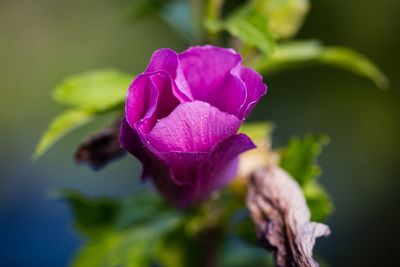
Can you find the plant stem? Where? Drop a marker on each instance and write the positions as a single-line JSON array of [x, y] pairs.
[[213, 10], [210, 241], [198, 18]]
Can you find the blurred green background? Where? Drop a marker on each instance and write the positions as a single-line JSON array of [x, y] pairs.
[[43, 41]]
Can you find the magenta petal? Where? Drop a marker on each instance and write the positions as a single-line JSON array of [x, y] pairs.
[[150, 98], [141, 95], [167, 60], [183, 166], [229, 96], [209, 74], [218, 164], [255, 88], [194, 176], [164, 59], [192, 127], [206, 66], [131, 142]]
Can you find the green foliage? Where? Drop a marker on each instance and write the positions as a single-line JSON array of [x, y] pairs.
[[121, 232], [61, 125], [91, 215], [134, 246], [318, 201], [260, 23], [143, 230], [298, 158], [250, 27], [302, 53], [285, 17], [179, 248], [97, 91], [171, 250], [352, 61], [90, 94]]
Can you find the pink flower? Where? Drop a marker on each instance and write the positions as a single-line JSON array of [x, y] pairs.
[[182, 116]]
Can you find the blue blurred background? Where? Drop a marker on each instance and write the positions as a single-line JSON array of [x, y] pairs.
[[43, 41]]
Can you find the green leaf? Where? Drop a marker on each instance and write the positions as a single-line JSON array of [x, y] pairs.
[[140, 208], [91, 215], [298, 158], [352, 61], [301, 53], [260, 23], [285, 17], [97, 91], [120, 232], [131, 247], [250, 27], [318, 201], [176, 249], [61, 125]]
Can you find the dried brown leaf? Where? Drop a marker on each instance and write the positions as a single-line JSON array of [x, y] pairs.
[[282, 218], [101, 148]]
